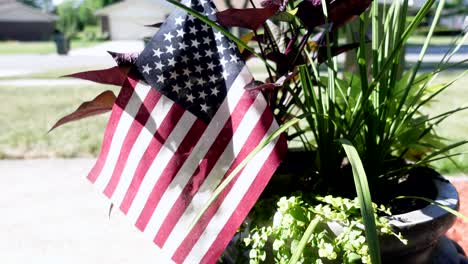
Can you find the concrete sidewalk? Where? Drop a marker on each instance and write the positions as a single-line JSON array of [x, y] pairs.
[[50, 214]]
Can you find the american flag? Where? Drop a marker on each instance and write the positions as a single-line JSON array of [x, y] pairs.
[[181, 123]]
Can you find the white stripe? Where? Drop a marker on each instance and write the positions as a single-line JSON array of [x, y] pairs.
[[141, 144], [239, 138], [157, 166], [125, 121], [174, 190], [230, 203]]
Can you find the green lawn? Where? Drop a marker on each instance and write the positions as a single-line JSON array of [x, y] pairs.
[[26, 114], [37, 47]]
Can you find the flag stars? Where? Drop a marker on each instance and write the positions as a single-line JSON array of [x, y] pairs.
[[195, 43], [171, 62], [221, 48], [213, 79], [186, 72], [223, 61], [190, 98], [168, 36], [191, 18], [198, 69], [205, 27], [202, 95], [201, 81], [214, 91], [188, 84], [234, 58], [170, 49], [158, 65], [174, 75], [180, 33], [207, 40], [232, 45], [157, 53], [193, 30], [196, 56], [210, 66], [218, 36], [183, 46], [204, 107], [184, 58], [146, 69], [161, 78], [179, 21], [225, 74], [209, 53], [176, 88]]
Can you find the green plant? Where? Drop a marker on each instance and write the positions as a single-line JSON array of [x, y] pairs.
[[282, 232]]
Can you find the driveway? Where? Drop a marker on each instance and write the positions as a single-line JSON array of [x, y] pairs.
[[51, 214]]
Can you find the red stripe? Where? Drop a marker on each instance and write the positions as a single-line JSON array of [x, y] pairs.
[[158, 140], [246, 204], [204, 168], [117, 110], [171, 169], [138, 123], [254, 139]]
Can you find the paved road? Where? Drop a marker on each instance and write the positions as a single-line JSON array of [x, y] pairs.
[[50, 214]]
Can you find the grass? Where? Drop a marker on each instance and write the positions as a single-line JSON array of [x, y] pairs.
[[37, 47], [27, 113], [454, 128]]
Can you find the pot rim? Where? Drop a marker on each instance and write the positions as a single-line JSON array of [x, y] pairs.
[[447, 195]]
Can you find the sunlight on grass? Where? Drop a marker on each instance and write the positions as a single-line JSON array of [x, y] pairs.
[[455, 127], [26, 115]]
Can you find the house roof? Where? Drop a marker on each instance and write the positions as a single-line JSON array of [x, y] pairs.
[[13, 11]]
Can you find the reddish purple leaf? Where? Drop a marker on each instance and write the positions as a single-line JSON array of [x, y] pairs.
[[278, 4], [251, 18], [101, 104], [335, 51], [155, 25], [124, 59], [256, 85], [114, 76]]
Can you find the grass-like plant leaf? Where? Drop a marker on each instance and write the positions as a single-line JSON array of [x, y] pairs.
[[305, 238], [365, 201]]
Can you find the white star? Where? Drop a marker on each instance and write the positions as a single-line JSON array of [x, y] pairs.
[[168, 36], [223, 61], [159, 65], [218, 36], [207, 40], [201, 81], [214, 91], [198, 68], [190, 97], [170, 49], [174, 75], [193, 30], [146, 69], [221, 48], [203, 2], [184, 58], [204, 108], [188, 84], [171, 62], [183, 46], [205, 27], [180, 32], [176, 88], [202, 95], [157, 52], [186, 71], [211, 65], [225, 74], [161, 78], [195, 43], [190, 18], [232, 45], [179, 21], [196, 56], [209, 53], [234, 58], [213, 78]]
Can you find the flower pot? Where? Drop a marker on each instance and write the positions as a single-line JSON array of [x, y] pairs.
[[422, 228]]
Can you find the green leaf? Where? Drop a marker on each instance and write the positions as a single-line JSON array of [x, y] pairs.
[[365, 201]]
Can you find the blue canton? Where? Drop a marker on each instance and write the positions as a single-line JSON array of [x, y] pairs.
[[191, 63]]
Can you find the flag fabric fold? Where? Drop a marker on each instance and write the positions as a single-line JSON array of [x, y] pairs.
[[177, 131]]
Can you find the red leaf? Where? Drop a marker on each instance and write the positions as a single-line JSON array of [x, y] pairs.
[[124, 59], [114, 76], [155, 25], [251, 18], [101, 104], [322, 51], [256, 85]]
